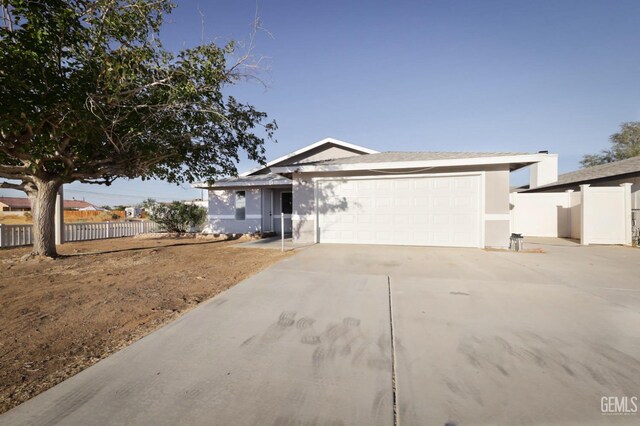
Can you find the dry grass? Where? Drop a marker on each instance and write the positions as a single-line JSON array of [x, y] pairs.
[[60, 316], [70, 216]]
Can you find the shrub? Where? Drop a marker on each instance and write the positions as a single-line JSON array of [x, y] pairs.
[[175, 217]]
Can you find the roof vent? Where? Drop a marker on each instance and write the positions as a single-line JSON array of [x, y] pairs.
[[543, 152]]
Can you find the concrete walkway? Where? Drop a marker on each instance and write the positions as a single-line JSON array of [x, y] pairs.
[[275, 243], [468, 337]]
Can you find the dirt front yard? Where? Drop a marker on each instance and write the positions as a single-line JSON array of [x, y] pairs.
[[57, 317]]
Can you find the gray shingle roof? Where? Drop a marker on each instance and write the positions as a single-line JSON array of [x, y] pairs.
[[617, 168], [393, 156]]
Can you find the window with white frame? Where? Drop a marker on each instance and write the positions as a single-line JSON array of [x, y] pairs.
[[240, 205]]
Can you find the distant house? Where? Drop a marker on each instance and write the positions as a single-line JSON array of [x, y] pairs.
[[200, 203], [609, 174], [21, 204], [131, 212], [14, 204], [79, 205]]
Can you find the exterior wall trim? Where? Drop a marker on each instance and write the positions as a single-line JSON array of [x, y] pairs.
[[233, 217], [474, 161]]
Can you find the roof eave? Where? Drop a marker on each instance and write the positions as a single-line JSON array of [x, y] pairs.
[[247, 184], [519, 160], [566, 185]]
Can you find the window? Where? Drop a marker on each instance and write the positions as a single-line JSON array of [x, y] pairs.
[[287, 202], [240, 205]]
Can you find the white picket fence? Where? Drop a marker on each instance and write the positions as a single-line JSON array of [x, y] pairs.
[[22, 235]]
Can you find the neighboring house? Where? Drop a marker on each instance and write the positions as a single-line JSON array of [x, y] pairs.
[[132, 212], [337, 192], [23, 204], [79, 205], [610, 174], [14, 204]]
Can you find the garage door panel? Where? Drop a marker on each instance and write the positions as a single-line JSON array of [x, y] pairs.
[[462, 184], [440, 211], [383, 184], [442, 184], [403, 220], [402, 203], [383, 201], [383, 236], [382, 219], [346, 218], [441, 202], [364, 219]]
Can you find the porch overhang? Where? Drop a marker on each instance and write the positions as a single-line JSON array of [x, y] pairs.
[[269, 180]]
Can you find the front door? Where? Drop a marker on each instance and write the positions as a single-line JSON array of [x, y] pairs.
[[267, 210], [286, 209]]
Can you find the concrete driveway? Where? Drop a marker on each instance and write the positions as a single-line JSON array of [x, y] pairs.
[[372, 335]]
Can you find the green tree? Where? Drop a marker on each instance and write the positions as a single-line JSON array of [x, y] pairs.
[[176, 216], [88, 93], [625, 144]]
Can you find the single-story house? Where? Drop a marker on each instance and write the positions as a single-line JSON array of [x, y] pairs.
[[610, 174], [80, 205], [336, 192], [13, 204]]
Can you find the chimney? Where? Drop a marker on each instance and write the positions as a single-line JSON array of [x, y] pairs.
[[545, 171]]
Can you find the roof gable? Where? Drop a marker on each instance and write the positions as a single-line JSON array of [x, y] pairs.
[[326, 149]]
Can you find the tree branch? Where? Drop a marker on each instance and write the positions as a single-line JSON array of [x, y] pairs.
[[6, 17], [17, 187], [13, 170]]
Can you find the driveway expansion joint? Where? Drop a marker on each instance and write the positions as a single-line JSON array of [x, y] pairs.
[[394, 384]]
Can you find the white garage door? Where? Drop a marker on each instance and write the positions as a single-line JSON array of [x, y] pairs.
[[429, 211]]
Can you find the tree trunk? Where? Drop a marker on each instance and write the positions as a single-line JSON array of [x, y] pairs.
[[43, 208]]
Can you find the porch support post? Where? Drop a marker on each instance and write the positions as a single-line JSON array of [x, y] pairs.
[[282, 228]]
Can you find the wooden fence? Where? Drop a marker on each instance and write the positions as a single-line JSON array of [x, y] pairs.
[[22, 235]]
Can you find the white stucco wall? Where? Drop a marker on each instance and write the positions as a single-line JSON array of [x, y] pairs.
[[541, 214], [606, 215], [575, 203], [544, 172], [594, 215], [635, 189]]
